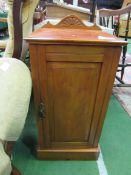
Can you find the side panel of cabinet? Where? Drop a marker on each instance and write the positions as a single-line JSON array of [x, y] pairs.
[[108, 72], [36, 88], [39, 77]]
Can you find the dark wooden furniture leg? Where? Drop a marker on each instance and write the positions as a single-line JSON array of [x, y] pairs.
[[93, 11], [17, 21], [8, 148]]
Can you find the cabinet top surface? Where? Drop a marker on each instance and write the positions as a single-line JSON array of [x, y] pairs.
[[73, 31]]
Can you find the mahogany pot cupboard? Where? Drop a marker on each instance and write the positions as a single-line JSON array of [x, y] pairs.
[[73, 69]]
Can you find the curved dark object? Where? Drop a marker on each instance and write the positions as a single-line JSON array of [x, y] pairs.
[[17, 22]]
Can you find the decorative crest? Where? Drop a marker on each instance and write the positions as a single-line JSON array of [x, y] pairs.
[[72, 22]]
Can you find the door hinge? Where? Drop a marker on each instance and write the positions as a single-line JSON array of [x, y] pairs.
[[42, 110]]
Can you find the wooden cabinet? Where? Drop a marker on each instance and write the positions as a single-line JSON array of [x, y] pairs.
[[73, 69], [59, 11]]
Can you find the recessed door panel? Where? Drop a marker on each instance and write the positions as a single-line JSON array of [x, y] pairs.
[[72, 91]]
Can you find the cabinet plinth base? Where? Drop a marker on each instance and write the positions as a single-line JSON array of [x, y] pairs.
[[68, 154]]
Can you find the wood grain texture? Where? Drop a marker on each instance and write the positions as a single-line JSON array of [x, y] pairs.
[[70, 92], [74, 36], [72, 30], [36, 89], [69, 154], [75, 83]]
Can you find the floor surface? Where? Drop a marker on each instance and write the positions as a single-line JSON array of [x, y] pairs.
[[115, 145]]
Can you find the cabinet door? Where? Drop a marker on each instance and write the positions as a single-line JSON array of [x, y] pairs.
[[72, 89]]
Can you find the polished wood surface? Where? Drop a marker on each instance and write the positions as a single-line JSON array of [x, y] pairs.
[[72, 80], [75, 35], [77, 32], [74, 93], [17, 23]]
